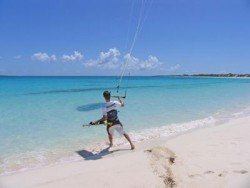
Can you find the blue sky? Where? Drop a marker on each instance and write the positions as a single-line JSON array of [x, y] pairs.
[[49, 37]]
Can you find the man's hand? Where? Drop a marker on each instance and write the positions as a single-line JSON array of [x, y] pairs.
[[121, 101]]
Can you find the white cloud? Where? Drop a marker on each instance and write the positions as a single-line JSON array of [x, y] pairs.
[[53, 57], [43, 57], [109, 59], [151, 63], [134, 63], [17, 57], [175, 67], [76, 56]]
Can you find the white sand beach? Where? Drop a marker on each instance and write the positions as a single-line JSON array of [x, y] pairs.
[[216, 156]]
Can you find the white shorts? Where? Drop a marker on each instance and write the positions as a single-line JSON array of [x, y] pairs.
[[116, 127]]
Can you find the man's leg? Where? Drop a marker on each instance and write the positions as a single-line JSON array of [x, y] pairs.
[[127, 137], [110, 140], [110, 137]]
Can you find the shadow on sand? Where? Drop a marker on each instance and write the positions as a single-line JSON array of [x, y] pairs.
[[87, 155]]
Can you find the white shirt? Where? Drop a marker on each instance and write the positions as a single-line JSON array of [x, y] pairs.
[[111, 105]]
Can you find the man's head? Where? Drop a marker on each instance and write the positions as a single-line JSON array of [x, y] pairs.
[[106, 95]]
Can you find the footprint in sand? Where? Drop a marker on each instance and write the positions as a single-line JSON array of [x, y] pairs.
[[209, 172], [198, 175], [222, 174], [194, 175], [241, 171]]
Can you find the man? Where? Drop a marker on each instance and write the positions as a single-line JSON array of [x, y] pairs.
[[110, 115]]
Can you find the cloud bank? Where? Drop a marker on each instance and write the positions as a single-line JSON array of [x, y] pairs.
[[107, 60], [152, 62], [43, 57], [110, 59], [75, 57]]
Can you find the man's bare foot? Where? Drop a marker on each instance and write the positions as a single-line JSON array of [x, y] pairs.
[[132, 147], [110, 145]]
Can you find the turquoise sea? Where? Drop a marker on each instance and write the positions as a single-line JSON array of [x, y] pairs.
[[41, 117]]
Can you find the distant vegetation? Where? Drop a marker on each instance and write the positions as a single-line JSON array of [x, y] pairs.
[[228, 75], [219, 75]]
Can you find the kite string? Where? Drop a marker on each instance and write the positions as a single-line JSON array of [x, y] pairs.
[[137, 28], [146, 13], [129, 26], [127, 39], [139, 22]]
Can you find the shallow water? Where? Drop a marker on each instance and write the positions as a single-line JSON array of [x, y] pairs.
[[41, 117]]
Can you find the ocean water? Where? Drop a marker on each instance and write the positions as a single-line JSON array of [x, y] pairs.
[[41, 117]]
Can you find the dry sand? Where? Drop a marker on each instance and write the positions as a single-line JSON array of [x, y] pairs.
[[211, 157]]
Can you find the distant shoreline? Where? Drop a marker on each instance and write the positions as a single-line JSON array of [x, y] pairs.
[[229, 75]]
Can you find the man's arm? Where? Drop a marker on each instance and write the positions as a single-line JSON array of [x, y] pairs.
[[121, 101], [104, 118]]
